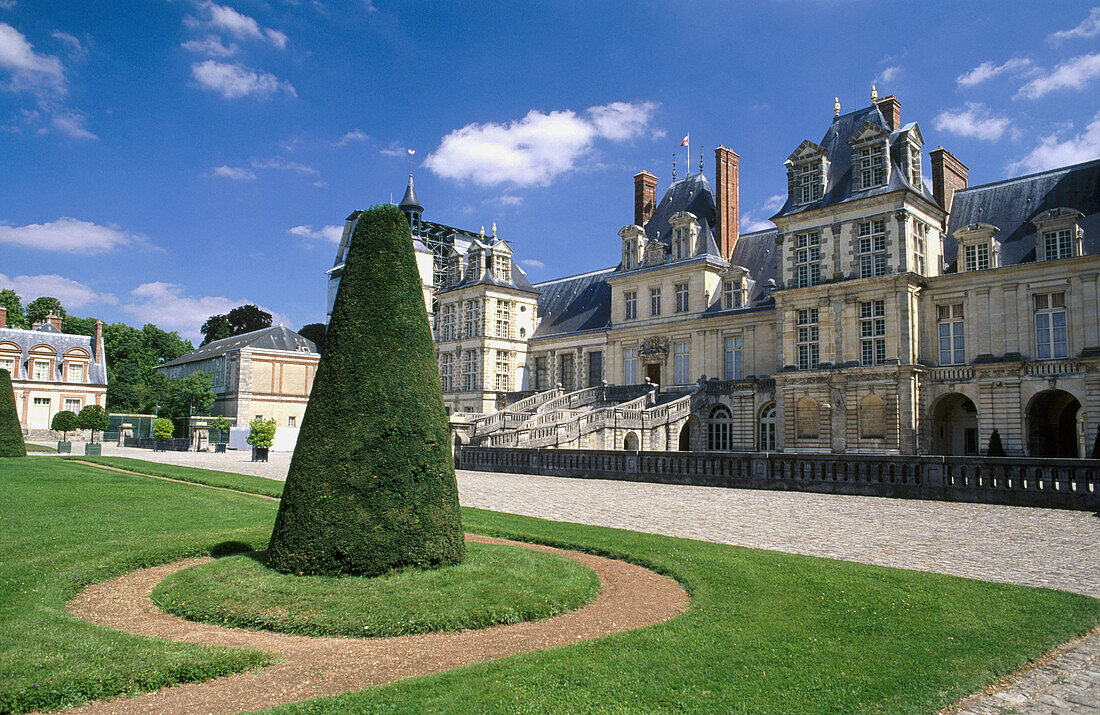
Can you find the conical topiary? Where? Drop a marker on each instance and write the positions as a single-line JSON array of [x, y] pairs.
[[11, 434], [1096, 445], [371, 485], [996, 449]]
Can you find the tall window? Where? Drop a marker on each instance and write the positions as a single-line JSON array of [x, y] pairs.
[[9, 365], [872, 248], [733, 358], [630, 366], [473, 266], [654, 301], [920, 242], [872, 170], [472, 329], [950, 327], [566, 372], [914, 166], [809, 182], [72, 404], [681, 297], [469, 370], [808, 259], [502, 268], [595, 368], [447, 323], [682, 243], [503, 371], [630, 305], [872, 332], [454, 271], [731, 294], [683, 363], [445, 370], [1058, 244], [976, 257], [540, 374], [75, 372], [720, 429], [765, 436], [1050, 326], [808, 350], [41, 370], [504, 319]]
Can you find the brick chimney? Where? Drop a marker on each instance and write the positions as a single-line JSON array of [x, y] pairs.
[[645, 197], [100, 356], [948, 176], [728, 196], [891, 111], [3, 317], [54, 319]]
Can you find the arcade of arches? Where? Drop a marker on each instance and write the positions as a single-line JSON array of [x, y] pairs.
[[1052, 422]]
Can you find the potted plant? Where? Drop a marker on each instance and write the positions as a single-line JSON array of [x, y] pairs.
[[222, 425], [64, 422], [261, 435], [162, 431], [94, 418]]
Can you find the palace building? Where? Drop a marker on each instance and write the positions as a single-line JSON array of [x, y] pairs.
[[893, 309]]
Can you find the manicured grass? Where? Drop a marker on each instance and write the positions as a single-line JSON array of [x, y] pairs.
[[494, 585], [766, 632], [228, 480], [45, 449]]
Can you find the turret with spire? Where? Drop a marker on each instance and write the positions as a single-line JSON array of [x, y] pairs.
[[410, 205]]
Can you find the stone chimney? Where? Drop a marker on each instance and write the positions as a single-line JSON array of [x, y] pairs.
[[54, 319], [3, 317], [948, 176], [100, 356], [891, 111], [728, 197], [645, 197]]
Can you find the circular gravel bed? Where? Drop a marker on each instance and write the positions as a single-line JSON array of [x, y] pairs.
[[496, 584]]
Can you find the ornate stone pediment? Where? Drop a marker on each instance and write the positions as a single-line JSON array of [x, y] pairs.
[[655, 347]]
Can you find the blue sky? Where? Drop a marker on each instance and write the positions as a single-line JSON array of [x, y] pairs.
[[167, 160]]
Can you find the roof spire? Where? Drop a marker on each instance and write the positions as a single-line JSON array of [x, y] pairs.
[[700, 161], [874, 94], [410, 202], [674, 168], [836, 106]]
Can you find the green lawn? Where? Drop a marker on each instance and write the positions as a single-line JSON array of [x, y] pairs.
[[766, 632], [228, 480], [31, 447]]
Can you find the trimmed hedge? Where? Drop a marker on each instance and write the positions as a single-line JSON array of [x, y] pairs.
[[371, 486], [11, 434]]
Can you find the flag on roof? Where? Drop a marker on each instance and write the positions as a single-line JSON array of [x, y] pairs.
[[685, 141]]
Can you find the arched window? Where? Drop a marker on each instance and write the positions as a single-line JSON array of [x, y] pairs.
[[766, 435], [719, 429], [872, 417], [808, 418], [630, 443]]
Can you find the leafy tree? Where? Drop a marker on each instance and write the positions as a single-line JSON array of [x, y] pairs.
[[78, 326], [996, 449], [39, 308], [216, 327], [316, 333], [163, 428], [261, 433], [65, 422], [132, 385], [94, 418], [222, 425], [11, 301], [371, 485], [186, 396], [246, 318], [11, 434]]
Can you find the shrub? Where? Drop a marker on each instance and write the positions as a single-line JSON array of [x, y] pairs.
[[261, 433], [163, 428], [11, 434], [371, 485], [94, 418], [996, 449], [65, 422], [222, 425], [1096, 445]]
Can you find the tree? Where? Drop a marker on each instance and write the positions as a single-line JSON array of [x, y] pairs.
[[246, 318], [316, 333], [65, 422], [94, 418], [186, 396], [163, 428], [132, 385], [11, 301], [216, 327], [261, 433], [371, 485], [996, 449], [78, 326], [39, 308], [11, 434], [222, 426]]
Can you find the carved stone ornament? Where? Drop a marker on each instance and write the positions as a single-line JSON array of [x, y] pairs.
[[654, 347]]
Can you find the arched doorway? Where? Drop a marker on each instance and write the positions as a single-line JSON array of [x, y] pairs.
[[955, 425], [630, 442], [1052, 429], [720, 429], [685, 437], [765, 436]]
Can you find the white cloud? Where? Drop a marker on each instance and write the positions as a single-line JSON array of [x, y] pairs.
[[233, 81], [509, 200], [355, 135], [243, 27], [7, 4], [988, 70], [233, 172], [1054, 151], [394, 149], [212, 46], [325, 233], [974, 121], [889, 74], [775, 202], [368, 3], [68, 235], [533, 263], [165, 305], [1089, 27], [29, 71], [73, 43], [536, 149], [284, 165], [71, 123], [1074, 73], [750, 223], [71, 293]]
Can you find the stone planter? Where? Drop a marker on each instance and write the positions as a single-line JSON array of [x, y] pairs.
[[93, 449], [219, 448], [160, 445], [64, 447], [259, 454]]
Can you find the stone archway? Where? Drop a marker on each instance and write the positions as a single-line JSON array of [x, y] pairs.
[[955, 425], [685, 437], [630, 442], [1052, 425]]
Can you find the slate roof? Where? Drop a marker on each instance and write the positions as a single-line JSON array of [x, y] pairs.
[[47, 334], [692, 194], [1011, 205], [409, 201], [519, 276], [273, 338], [758, 253], [838, 153], [574, 304]]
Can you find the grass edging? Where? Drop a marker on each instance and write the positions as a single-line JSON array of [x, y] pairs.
[[244, 483]]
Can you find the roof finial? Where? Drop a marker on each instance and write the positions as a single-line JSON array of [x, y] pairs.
[[874, 93], [483, 232], [700, 160], [836, 106], [494, 229], [674, 168]]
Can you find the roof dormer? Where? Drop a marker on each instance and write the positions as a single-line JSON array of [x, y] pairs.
[[634, 242], [870, 157], [684, 231], [807, 169], [977, 247], [1058, 234], [909, 144]]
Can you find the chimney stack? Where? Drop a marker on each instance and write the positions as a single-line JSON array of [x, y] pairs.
[[727, 188], [645, 197], [3, 317], [100, 356], [54, 319], [891, 111], [948, 176]]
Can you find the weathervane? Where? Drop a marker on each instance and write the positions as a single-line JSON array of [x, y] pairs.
[[411, 152]]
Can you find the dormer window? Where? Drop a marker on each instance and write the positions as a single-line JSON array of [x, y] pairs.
[[683, 235], [977, 249], [872, 166], [681, 244], [733, 293], [473, 265], [633, 245], [809, 182], [502, 268], [1058, 234], [914, 167], [806, 173], [976, 257], [454, 271]]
